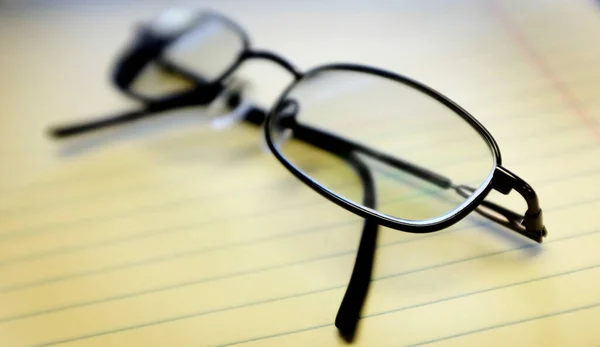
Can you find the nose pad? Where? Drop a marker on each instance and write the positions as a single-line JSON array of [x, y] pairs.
[[279, 141], [283, 130], [230, 106]]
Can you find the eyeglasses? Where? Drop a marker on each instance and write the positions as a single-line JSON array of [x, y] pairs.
[[163, 69], [429, 162]]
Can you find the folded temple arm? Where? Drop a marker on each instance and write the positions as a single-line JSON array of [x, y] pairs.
[[203, 95]]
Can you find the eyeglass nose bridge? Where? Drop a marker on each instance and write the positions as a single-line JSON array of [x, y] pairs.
[[266, 55]]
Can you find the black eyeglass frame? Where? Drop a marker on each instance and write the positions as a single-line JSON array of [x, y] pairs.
[[499, 178], [530, 224]]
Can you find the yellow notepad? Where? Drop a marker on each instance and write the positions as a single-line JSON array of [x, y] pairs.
[[169, 233]]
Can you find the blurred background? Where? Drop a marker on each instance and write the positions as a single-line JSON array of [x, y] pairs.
[[169, 232]]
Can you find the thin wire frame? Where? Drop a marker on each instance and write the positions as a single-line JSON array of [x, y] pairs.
[[415, 226], [500, 179]]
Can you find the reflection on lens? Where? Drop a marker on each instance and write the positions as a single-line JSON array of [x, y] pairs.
[[416, 147], [202, 45], [207, 49]]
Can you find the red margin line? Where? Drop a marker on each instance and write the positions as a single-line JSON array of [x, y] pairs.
[[536, 59]]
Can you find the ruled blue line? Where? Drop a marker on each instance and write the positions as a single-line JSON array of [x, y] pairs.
[[16, 287], [190, 228], [27, 232], [517, 322], [423, 304], [197, 314]]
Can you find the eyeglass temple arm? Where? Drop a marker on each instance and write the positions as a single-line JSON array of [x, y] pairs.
[[356, 292], [529, 225], [349, 312], [335, 144], [200, 96], [343, 147]]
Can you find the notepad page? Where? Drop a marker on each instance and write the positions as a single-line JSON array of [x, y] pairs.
[[170, 233]]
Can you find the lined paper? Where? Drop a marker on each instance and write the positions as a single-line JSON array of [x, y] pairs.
[[168, 232]]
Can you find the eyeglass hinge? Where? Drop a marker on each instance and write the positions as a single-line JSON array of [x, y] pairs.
[[502, 181]]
